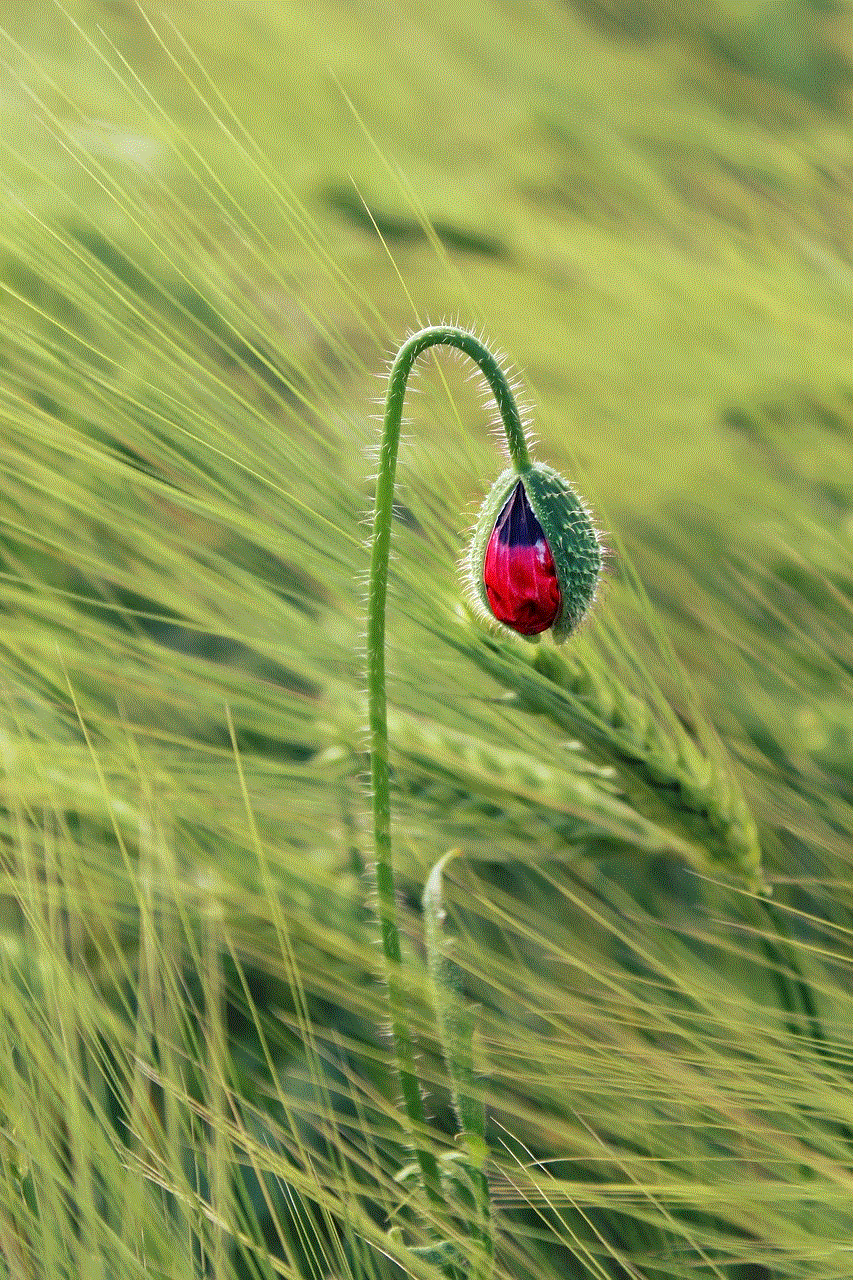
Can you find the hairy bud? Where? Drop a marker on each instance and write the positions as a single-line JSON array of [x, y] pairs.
[[536, 556]]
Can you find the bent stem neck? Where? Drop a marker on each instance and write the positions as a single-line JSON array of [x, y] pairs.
[[438, 335]]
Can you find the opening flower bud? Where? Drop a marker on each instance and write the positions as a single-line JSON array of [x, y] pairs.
[[536, 556], [518, 573]]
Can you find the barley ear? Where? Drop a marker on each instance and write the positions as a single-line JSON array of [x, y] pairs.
[[664, 772]]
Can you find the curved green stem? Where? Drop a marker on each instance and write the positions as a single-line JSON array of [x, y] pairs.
[[377, 699], [456, 1029]]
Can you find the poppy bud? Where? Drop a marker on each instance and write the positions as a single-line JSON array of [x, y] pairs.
[[536, 556]]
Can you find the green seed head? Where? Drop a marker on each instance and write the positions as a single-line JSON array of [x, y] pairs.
[[511, 576]]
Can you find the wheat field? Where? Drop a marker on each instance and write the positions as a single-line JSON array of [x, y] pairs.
[[219, 224]]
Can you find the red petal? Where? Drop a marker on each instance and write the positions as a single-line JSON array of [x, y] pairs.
[[519, 573]]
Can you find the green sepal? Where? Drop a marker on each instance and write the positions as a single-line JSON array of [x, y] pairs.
[[569, 530], [493, 504]]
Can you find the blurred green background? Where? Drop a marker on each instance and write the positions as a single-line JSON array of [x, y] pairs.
[[219, 222], [647, 207]]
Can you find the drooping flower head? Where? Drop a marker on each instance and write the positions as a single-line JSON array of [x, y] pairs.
[[536, 556]]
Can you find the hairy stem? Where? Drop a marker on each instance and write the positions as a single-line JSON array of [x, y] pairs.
[[376, 691]]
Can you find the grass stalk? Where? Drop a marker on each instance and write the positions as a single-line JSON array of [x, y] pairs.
[[456, 1029]]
